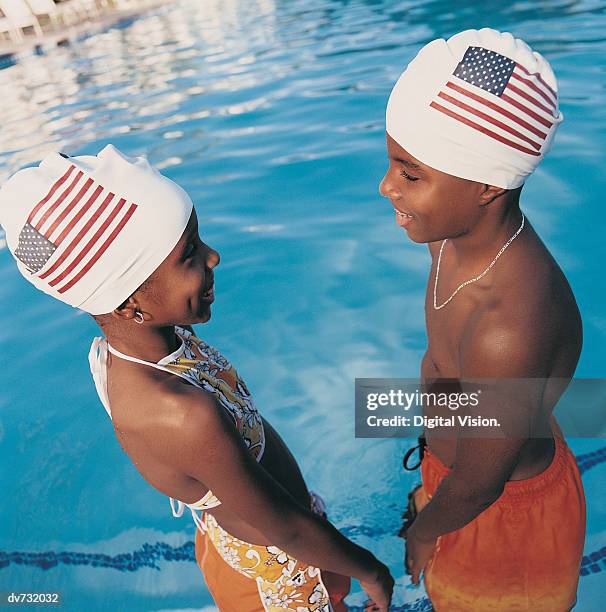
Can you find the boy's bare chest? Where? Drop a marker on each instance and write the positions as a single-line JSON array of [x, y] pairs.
[[448, 327]]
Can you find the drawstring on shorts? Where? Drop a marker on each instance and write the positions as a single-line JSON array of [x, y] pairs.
[[421, 446]]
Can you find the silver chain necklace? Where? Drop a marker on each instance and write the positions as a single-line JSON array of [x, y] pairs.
[[471, 280]]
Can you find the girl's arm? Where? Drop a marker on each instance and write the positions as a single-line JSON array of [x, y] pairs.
[[204, 444]]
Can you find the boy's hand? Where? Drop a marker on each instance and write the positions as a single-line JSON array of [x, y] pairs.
[[418, 554]]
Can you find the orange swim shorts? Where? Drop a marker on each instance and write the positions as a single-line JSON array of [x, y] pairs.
[[522, 553], [244, 577]]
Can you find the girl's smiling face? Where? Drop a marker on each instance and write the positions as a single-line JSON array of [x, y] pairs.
[[430, 205], [182, 287]]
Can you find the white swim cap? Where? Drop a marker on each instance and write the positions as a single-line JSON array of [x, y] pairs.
[[481, 106], [89, 230]]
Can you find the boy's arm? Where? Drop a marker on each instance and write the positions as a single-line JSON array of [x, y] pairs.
[[482, 466]]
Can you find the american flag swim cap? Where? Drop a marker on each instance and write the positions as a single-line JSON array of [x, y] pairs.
[[89, 230], [481, 106]]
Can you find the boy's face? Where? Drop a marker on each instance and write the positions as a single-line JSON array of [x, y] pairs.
[[440, 205]]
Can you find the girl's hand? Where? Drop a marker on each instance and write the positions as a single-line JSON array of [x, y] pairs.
[[379, 590], [418, 554]]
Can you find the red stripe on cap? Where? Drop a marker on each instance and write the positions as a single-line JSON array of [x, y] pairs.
[[50, 194], [101, 249], [58, 201], [89, 245], [490, 119], [482, 129], [68, 228], [496, 107], [529, 98], [539, 77], [526, 110], [68, 208], [534, 87], [74, 243]]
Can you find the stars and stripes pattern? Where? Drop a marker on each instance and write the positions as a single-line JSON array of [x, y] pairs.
[[74, 224], [500, 98]]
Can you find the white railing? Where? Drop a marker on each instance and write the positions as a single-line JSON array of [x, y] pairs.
[[21, 18]]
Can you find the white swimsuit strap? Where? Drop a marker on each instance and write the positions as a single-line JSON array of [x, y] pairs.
[[137, 360], [97, 359], [179, 512], [201, 524], [180, 507], [158, 366], [97, 363]]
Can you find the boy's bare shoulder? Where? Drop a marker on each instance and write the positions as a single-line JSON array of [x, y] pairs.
[[529, 316]]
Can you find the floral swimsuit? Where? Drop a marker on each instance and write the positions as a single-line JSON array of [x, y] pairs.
[[281, 582]]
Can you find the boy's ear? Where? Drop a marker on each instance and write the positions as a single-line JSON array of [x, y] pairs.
[[126, 310], [490, 193]]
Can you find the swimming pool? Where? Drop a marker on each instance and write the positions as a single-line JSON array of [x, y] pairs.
[[270, 114]]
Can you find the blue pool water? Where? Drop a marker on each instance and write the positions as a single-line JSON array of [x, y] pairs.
[[270, 114]]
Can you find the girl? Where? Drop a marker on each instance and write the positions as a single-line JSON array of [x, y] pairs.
[[112, 236]]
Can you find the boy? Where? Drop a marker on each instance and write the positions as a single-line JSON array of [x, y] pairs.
[[501, 522]]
